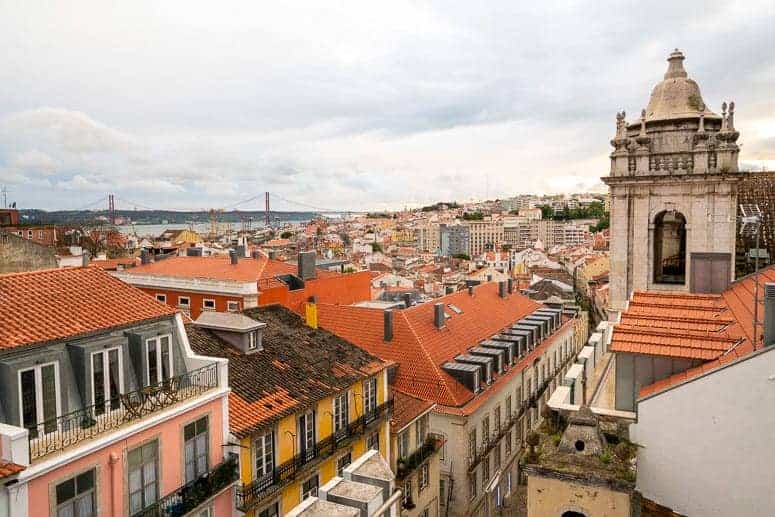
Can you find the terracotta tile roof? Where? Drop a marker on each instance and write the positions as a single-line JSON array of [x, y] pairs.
[[692, 325], [406, 408], [112, 264], [216, 268], [419, 347], [298, 366], [41, 306], [8, 469]]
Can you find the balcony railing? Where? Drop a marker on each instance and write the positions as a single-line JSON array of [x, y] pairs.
[[433, 443], [188, 497], [250, 494], [92, 421]]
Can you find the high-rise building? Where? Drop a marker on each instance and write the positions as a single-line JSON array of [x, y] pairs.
[[454, 239], [673, 184]]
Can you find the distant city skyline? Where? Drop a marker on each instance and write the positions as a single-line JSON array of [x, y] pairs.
[[351, 106]]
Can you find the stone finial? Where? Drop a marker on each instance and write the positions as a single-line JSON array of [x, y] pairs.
[[675, 68], [724, 125], [621, 125], [731, 116], [643, 122]]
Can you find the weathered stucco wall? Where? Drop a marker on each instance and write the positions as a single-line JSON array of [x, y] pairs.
[[547, 497], [19, 254]]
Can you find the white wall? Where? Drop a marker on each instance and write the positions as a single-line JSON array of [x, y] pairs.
[[709, 445]]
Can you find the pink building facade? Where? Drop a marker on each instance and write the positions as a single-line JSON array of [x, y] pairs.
[[115, 420]]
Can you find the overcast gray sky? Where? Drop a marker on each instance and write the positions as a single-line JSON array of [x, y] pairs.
[[185, 104]]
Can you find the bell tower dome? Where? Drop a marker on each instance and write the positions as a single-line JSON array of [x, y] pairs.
[[673, 182]]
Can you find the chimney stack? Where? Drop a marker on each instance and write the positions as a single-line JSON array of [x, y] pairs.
[[85, 258], [470, 290], [769, 314], [489, 278], [450, 289], [306, 265], [438, 315], [511, 285], [388, 319], [502, 289], [144, 257], [233, 256]]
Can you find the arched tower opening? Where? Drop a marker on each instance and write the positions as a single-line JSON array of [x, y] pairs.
[[670, 248]]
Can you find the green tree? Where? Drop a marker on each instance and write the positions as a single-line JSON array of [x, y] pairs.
[[375, 247], [286, 235]]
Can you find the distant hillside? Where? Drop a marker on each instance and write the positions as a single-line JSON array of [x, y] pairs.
[[155, 216]]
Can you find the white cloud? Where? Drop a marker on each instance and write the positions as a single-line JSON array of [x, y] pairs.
[[352, 104]]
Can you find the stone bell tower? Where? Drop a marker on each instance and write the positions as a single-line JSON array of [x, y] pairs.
[[673, 186]]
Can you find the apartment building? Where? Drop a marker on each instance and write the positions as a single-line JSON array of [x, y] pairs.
[[414, 455], [195, 284], [488, 358], [106, 409], [303, 403], [428, 237], [454, 239], [485, 235], [525, 233]]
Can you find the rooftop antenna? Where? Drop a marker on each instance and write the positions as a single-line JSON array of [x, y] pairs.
[[5, 196], [750, 225]]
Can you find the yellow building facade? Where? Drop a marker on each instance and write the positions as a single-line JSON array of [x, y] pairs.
[[293, 482]]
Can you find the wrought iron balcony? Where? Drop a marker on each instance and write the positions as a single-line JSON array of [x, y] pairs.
[[406, 466], [249, 495], [188, 497], [95, 420]]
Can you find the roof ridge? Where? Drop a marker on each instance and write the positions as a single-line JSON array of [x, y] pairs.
[[41, 271], [631, 329]]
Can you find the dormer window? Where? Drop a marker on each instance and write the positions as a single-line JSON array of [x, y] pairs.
[[239, 330], [39, 398], [158, 365], [232, 306]]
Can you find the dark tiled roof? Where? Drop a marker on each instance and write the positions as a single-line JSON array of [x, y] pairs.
[[298, 366]]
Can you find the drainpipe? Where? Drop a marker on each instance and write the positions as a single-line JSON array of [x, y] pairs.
[[112, 461], [387, 505]]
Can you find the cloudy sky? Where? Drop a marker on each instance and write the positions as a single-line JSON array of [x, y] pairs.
[[186, 104]]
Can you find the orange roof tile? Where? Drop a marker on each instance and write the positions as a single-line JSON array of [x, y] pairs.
[[41, 306], [692, 325], [419, 347], [216, 268], [405, 409], [8, 469]]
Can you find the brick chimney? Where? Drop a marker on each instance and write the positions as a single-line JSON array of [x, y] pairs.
[[438, 315], [388, 324]]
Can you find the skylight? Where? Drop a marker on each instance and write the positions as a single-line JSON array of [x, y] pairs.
[[455, 308]]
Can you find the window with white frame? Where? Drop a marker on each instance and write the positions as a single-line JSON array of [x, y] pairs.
[[252, 340], [184, 301], [307, 434], [208, 304], [424, 476], [421, 430], [29, 234], [407, 495], [310, 487], [158, 364], [196, 437], [442, 492], [75, 497], [403, 444], [485, 470], [107, 380], [232, 306], [373, 441], [370, 396], [341, 412], [39, 398], [273, 510], [264, 450], [161, 298], [41, 235], [143, 464], [472, 485]]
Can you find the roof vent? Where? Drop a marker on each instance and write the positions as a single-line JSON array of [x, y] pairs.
[[233, 256], [145, 258], [511, 285], [502, 289], [438, 315], [769, 314], [470, 290]]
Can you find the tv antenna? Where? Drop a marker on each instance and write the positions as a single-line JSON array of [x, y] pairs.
[[750, 226]]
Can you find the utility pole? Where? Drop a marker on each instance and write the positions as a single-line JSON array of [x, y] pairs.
[[266, 210], [5, 196]]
